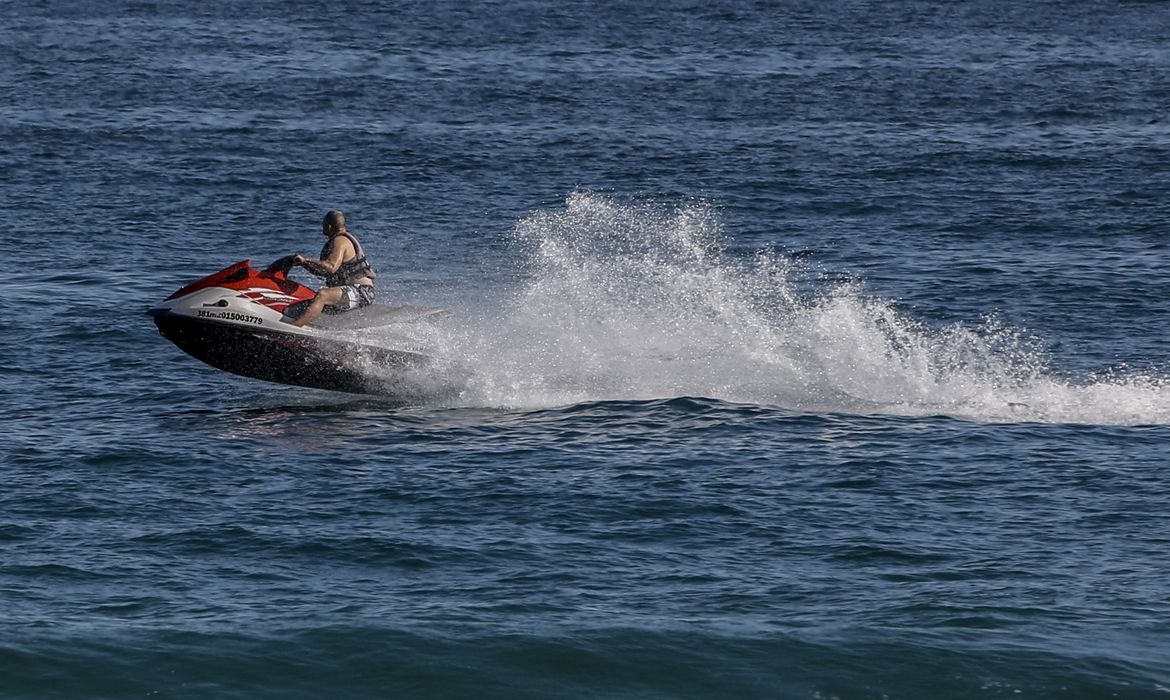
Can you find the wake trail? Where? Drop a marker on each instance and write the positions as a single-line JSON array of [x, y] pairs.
[[627, 301]]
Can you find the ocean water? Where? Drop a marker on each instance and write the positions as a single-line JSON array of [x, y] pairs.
[[797, 350]]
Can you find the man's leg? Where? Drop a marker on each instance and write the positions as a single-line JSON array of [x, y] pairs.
[[330, 296]]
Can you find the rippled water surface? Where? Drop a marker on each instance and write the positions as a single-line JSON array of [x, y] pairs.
[[794, 351]]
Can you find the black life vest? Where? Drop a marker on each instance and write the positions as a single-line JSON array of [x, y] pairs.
[[351, 270]]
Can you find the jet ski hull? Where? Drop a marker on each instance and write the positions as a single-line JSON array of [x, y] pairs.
[[272, 356]]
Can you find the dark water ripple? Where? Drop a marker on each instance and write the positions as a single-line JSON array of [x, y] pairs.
[[845, 540], [602, 663]]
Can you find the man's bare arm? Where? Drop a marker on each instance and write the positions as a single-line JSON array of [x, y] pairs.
[[341, 250]]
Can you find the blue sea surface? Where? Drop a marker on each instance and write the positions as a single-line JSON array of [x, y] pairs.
[[796, 350]]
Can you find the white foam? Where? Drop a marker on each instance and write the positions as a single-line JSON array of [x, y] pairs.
[[638, 301]]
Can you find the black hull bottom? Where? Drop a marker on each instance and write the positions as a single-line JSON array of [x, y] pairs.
[[284, 358]]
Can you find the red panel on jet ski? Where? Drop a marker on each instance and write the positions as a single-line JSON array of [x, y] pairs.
[[243, 276]]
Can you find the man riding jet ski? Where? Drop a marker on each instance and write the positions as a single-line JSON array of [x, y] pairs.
[[255, 322], [349, 277]]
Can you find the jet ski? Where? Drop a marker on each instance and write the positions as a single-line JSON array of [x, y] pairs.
[[240, 320]]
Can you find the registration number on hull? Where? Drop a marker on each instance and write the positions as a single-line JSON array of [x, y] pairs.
[[230, 316]]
